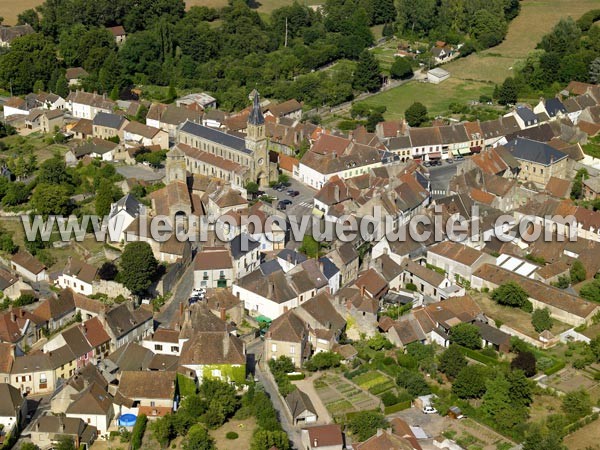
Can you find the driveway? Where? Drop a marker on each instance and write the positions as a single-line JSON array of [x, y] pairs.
[[308, 388], [141, 172]]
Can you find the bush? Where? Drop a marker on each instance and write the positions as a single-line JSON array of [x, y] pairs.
[[138, 432], [560, 365], [397, 407], [389, 398], [231, 435]]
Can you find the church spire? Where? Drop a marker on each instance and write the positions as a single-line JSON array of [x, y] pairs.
[[256, 116]]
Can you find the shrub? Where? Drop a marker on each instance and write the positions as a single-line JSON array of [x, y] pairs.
[[138, 431], [231, 435], [389, 398]]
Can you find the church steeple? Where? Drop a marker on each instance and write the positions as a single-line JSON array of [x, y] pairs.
[[255, 132], [256, 116]]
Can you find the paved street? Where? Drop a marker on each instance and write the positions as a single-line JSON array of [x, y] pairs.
[[302, 204], [255, 348], [181, 295], [440, 177]]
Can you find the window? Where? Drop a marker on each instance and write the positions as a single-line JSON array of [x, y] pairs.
[[216, 373], [292, 349], [153, 404], [175, 349], [273, 347], [158, 347]]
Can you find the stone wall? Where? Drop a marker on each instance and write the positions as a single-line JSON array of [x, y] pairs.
[[110, 288]]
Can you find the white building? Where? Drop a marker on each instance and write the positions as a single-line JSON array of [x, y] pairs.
[[437, 75], [29, 267], [79, 276]]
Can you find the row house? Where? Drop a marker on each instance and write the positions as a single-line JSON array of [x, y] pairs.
[[85, 105]]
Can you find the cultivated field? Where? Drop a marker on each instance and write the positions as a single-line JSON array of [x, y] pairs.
[[537, 17], [9, 9]]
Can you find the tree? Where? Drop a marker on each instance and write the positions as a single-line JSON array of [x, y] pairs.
[[367, 76], [310, 246], [416, 114], [108, 271], [577, 272], [470, 381], [577, 404], [413, 382], [65, 443], [62, 86], [138, 267], [521, 389], [563, 39], [595, 71], [467, 335], [198, 439], [138, 431], [54, 171], [511, 294], [550, 439], [323, 360], [497, 404], [265, 440], [7, 244], [508, 92], [49, 199], [401, 69], [365, 424], [104, 198], [452, 361], [541, 320], [163, 430], [487, 28], [29, 446]]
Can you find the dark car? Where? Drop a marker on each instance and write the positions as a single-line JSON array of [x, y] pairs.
[[436, 162], [281, 206], [427, 164], [449, 161], [279, 187], [293, 193], [286, 201]]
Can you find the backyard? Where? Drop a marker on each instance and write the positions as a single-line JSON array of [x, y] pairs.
[[340, 396]]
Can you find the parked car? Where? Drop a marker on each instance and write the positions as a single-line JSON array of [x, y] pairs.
[[279, 187], [287, 201], [450, 161], [459, 157], [436, 162], [429, 410], [293, 193], [426, 164], [281, 206]]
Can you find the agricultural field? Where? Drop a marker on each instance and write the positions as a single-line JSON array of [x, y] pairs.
[[340, 396], [9, 9], [374, 382], [537, 17]]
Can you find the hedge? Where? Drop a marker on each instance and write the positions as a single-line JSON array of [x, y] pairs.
[[296, 376], [555, 368], [488, 361], [397, 407], [138, 432]]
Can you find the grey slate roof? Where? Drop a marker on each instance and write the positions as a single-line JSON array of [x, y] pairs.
[[329, 268], [11, 400], [269, 267], [107, 120], [534, 151], [298, 402], [236, 245], [217, 136], [554, 106], [256, 116], [130, 204], [291, 256], [526, 114]]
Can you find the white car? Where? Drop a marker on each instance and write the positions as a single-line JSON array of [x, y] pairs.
[[198, 292], [429, 410]]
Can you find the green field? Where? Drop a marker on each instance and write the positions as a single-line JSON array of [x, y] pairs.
[[437, 98]]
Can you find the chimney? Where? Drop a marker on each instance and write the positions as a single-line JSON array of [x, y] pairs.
[[271, 290], [181, 310], [379, 431], [13, 316], [84, 329], [223, 313], [225, 342], [336, 193], [362, 290]]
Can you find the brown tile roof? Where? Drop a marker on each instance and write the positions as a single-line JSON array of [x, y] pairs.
[[422, 137], [321, 308], [473, 130], [298, 402], [221, 298], [7, 356], [213, 348], [591, 129], [275, 286], [385, 441], [140, 129], [287, 328], [372, 282], [56, 307], [288, 162], [166, 335], [481, 196], [92, 400], [94, 332], [578, 88], [210, 159], [284, 108], [457, 252], [430, 276], [539, 291], [199, 318], [558, 187], [401, 428], [83, 126], [328, 144], [88, 304], [325, 435], [213, 258], [147, 384], [81, 270], [29, 262], [117, 31], [12, 322], [75, 73]]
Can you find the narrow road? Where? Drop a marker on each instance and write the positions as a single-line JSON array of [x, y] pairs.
[[170, 311], [255, 348]]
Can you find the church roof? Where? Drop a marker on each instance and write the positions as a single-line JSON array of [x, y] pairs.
[[211, 134], [256, 116]]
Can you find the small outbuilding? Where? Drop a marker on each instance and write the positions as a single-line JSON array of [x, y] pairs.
[[437, 75]]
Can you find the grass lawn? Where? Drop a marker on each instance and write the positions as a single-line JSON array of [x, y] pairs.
[[584, 438], [244, 429], [537, 17], [513, 317], [543, 406], [436, 98]]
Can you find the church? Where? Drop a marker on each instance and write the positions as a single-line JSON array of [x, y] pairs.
[[214, 153]]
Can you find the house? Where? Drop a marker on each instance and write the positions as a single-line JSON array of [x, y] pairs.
[[130, 357], [32, 374], [75, 75], [136, 133], [563, 306], [83, 129], [385, 440], [147, 392], [428, 282], [346, 259], [122, 214], [78, 276], [13, 409], [109, 125], [93, 406], [57, 311], [553, 107], [163, 342], [441, 53], [402, 429], [456, 259], [17, 106], [48, 430], [245, 253], [560, 188], [170, 117], [201, 99], [213, 267], [21, 327], [215, 355], [437, 75], [301, 408], [591, 188], [28, 267], [537, 161], [288, 336], [319, 313], [225, 305], [493, 337], [118, 33], [125, 324], [92, 148], [323, 437], [291, 109], [525, 117], [359, 309], [372, 284], [44, 120], [85, 105], [11, 285], [7, 357], [9, 34]]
